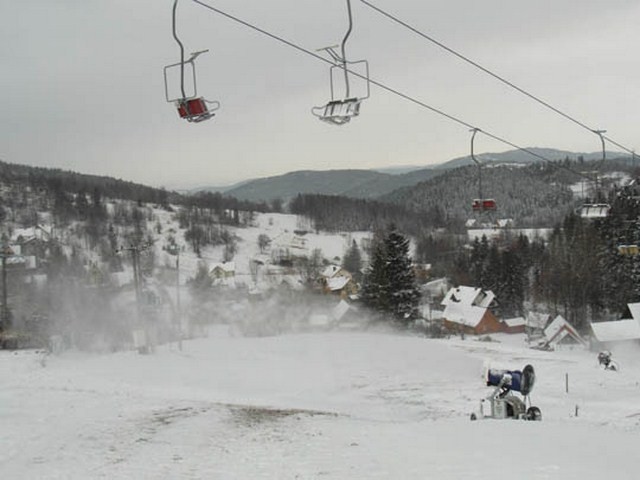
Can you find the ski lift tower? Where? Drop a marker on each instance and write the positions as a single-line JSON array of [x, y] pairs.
[[340, 110]]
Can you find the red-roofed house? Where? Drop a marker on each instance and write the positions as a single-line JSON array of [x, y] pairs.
[[467, 309]]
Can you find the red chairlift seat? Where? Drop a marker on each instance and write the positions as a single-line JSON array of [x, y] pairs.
[[484, 205], [194, 109]]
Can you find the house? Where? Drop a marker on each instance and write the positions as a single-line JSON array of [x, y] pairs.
[[467, 310], [514, 325], [561, 333], [338, 281], [625, 330], [223, 270], [536, 323]]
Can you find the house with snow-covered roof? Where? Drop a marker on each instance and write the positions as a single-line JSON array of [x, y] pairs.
[[560, 333], [536, 322], [514, 325], [625, 330], [336, 280], [467, 309]]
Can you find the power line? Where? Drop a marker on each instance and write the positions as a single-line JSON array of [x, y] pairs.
[[385, 87], [492, 74]]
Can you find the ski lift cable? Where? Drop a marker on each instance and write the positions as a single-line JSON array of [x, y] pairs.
[[489, 72], [386, 87]]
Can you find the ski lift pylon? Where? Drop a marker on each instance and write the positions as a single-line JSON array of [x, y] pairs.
[[190, 107], [339, 111]]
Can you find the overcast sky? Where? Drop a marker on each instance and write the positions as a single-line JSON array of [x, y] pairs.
[[82, 84]]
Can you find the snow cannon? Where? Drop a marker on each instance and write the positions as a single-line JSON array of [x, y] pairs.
[[503, 401], [604, 358]]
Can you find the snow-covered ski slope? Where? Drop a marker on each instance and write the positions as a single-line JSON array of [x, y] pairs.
[[341, 405]]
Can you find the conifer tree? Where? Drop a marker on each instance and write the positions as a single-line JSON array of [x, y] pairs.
[[352, 261], [390, 285]]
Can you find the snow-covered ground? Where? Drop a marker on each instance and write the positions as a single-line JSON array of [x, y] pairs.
[[335, 405]]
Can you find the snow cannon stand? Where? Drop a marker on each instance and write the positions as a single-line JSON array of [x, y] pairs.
[[503, 403]]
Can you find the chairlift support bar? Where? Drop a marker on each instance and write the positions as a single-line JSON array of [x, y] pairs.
[[175, 35], [344, 53], [473, 157], [601, 163]]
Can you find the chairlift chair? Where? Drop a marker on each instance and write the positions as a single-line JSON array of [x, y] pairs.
[[597, 209], [481, 204], [594, 210], [190, 107], [339, 111], [629, 250]]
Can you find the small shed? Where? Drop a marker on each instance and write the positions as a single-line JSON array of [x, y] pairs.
[[514, 325]]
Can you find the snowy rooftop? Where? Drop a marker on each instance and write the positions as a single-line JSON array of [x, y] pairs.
[[466, 305], [559, 328], [337, 283], [616, 331], [515, 322]]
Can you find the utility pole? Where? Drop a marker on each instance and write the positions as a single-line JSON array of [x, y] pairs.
[[179, 320], [137, 281], [5, 252]]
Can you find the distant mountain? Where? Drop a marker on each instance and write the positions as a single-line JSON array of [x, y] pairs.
[[349, 183], [376, 183], [398, 170], [522, 157]]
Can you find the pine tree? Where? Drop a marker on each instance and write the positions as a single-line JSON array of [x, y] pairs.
[[352, 261], [390, 285]]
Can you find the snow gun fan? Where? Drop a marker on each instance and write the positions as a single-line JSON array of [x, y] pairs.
[[503, 401], [190, 106]]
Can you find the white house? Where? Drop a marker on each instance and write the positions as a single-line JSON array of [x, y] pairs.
[[627, 329]]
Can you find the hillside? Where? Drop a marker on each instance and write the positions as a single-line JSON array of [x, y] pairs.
[[350, 183], [533, 196], [376, 183], [522, 157]]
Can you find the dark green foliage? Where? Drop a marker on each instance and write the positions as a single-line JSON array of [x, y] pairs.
[[352, 261], [390, 286]]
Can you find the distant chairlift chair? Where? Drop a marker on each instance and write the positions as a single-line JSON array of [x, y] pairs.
[[481, 204], [597, 209]]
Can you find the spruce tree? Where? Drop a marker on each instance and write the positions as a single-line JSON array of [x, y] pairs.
[[352, 261], [390, 284]]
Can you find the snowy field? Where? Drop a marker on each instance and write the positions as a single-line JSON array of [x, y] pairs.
[[339, 405]]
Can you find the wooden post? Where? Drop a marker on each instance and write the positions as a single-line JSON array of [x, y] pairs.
[[566, 383]]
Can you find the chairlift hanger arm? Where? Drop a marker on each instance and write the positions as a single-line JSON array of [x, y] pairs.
[[344, 52], [175, 35]]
